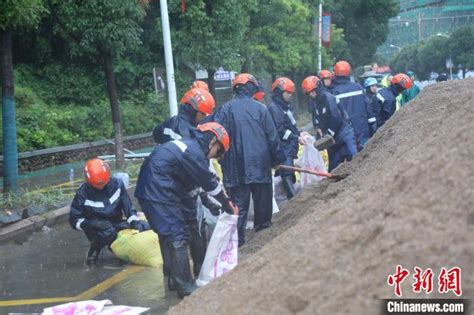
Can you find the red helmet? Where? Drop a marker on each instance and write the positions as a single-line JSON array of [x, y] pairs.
[[219, 131], [97, 173], [342, 69], [402, 80], [199, 99], [198, 84], [323, 74], [243, 78], [284, 84], [309, 84], [259, 96]]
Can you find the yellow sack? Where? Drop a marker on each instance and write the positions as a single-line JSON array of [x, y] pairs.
[[138, 248]]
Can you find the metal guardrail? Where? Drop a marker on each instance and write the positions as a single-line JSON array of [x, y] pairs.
[[75, 147]]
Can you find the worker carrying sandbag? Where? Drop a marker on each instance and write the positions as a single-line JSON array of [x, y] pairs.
[[166, 178], [330, 118], [99, 208], [196, 104]]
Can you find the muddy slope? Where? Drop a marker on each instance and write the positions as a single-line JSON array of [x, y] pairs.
[[409, 200]]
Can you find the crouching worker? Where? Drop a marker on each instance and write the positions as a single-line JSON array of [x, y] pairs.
[[330, 118], [99, 208], [167, 177]]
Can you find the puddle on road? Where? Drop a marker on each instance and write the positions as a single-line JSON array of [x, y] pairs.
[[50, 264]]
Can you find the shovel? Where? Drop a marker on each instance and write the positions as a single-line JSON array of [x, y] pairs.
[[304, 170]]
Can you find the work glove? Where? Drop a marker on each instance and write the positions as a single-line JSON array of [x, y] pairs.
[[139, 225], [101, 225], [227, 205], [213, 207]]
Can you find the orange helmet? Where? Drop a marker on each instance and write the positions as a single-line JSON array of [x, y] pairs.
[[259, 96], [309, 84], [97, 173], [243, 78], [199, 99], [221, 134], [198, 84], [323, 74], [402, 80], [342, 68], [284, 84]]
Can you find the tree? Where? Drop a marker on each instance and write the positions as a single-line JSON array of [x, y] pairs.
[[433, 55], [102, 30], [208, 34], [14, 14], [461, 45], [365, 24], [407, 59]]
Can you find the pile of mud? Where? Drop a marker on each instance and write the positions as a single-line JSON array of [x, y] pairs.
[[408, 200]]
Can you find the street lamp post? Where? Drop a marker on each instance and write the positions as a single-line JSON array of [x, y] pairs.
[[449, 62], [394, 46]]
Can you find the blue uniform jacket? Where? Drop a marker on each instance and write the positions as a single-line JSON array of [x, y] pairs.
[[286, 126], [111, 203], [327, 114], [173, 170], [174, 128], [254, 143], [386, 104], [351, 96]]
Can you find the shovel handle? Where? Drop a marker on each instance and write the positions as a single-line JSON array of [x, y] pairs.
[[304, 170]]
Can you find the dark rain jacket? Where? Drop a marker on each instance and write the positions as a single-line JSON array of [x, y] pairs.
[[112, 203], [176, 168], [386, 104], [285, 124], [373, 111], [176, 127], [327, 114], [254, 143], [351, 96]]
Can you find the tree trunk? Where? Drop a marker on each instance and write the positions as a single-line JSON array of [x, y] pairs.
[[245, 66], [212, 83], [10, 153], [112, 91]]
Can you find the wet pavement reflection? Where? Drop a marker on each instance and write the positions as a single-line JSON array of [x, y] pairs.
[[50, 264]]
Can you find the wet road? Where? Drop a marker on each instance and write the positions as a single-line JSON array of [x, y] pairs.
[[48, 269]]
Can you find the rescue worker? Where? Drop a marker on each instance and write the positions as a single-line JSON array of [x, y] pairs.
[[387, 97], [326, 76], [198, 84], [280, 109], [99, 206], [442, 77], [412, 92], [371, 88], [255, 148], [166, 178], [351, 96], [260, 93], [329, 118], [196, 104]]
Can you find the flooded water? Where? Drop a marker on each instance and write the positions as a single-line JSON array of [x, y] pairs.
[[50, 265]]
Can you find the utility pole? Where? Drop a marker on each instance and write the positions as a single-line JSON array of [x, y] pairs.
[[320, 35], [165, 23], [419, 28]]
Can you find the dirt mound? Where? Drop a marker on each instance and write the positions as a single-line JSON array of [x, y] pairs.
[[409, 200]]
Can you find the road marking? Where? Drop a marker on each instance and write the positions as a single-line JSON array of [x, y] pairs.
[[86, 295]]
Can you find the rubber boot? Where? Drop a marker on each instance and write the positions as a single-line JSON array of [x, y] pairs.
[[287, 182], [93, 254], [180, 268], [198, 246], [166, 270]]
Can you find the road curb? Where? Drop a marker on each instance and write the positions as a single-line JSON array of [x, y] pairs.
[[34, 223]]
